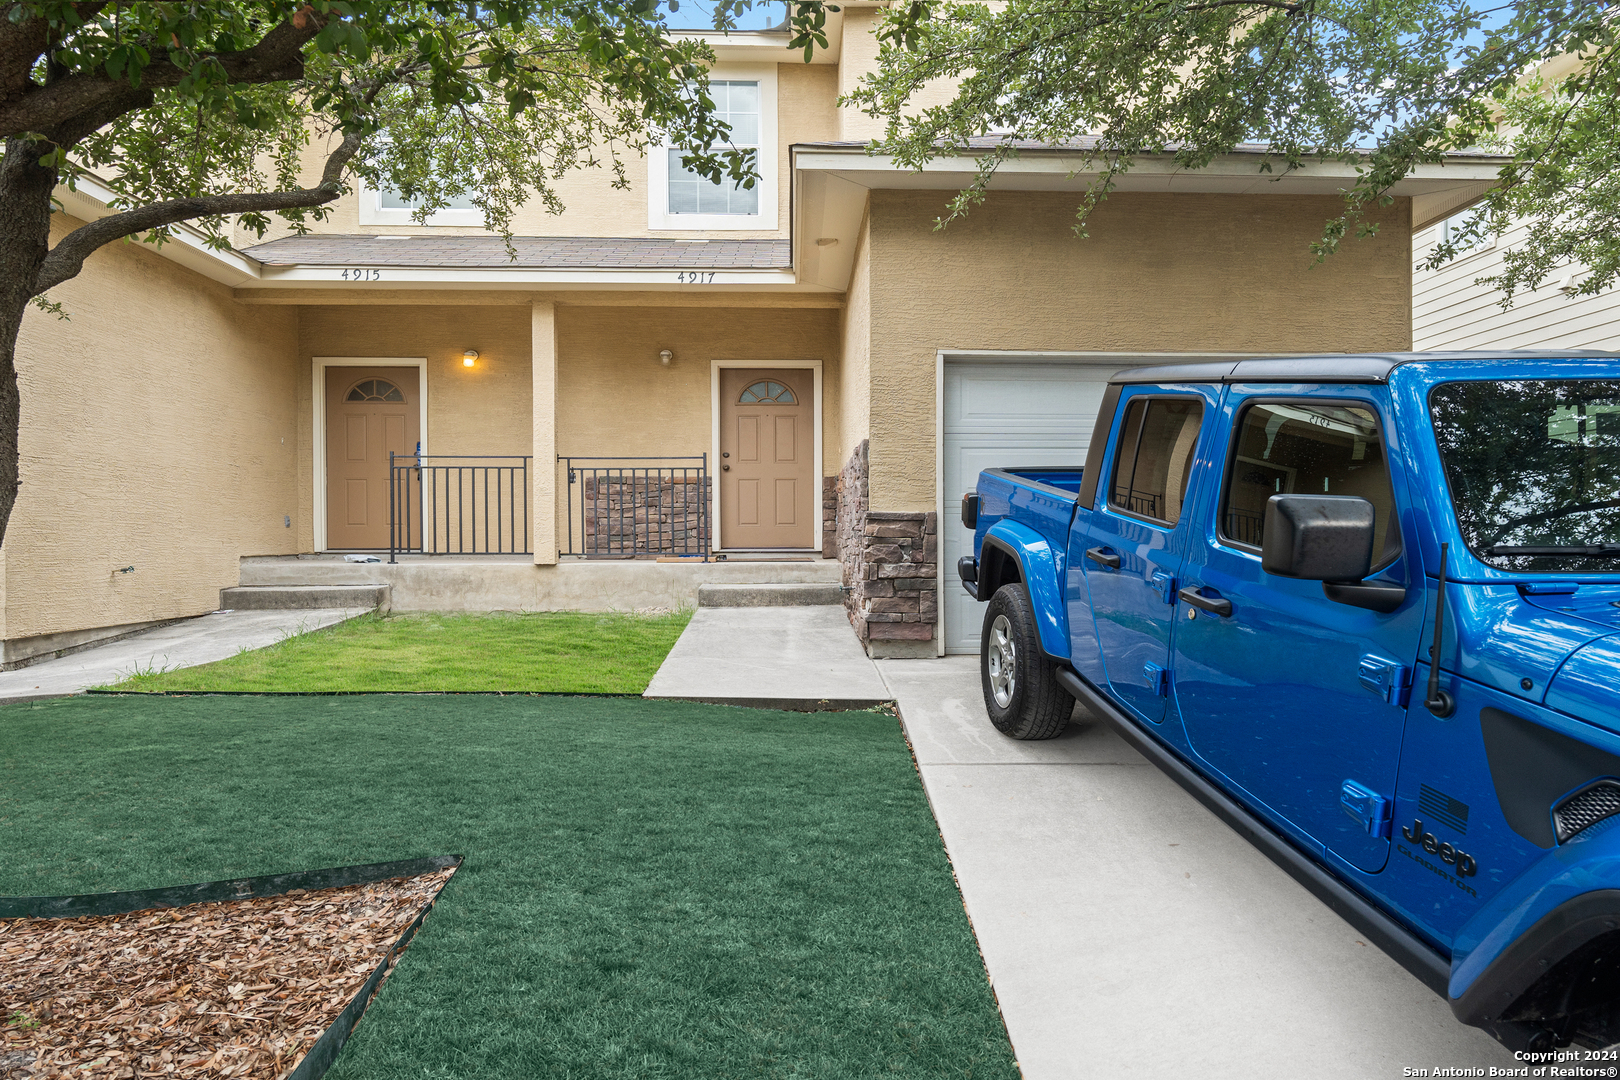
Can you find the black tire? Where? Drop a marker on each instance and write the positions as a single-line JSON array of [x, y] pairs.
[[1023, 698]]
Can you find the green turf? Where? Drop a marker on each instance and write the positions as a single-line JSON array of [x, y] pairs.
[[651, 889], [555, 651]]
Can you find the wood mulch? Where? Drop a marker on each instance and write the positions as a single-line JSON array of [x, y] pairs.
[[239, 988]]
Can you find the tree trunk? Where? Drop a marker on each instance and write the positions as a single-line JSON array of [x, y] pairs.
[[25, 230]]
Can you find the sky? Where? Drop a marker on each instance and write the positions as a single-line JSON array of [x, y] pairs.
[[699, 15]]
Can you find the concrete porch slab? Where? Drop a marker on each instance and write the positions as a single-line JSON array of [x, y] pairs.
[[515, 583], [176, 645], [799, 658], [1129, 932]]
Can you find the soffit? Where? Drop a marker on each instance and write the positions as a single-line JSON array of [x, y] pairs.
[[832, 180]]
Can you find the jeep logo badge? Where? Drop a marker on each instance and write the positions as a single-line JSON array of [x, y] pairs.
[[1465, 864]]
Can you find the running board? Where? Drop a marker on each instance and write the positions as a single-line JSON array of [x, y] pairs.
[[1404, 947]]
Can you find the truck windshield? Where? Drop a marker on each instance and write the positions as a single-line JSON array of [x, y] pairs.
[[1534, 471]]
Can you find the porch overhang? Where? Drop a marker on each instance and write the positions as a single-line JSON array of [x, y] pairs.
[[831, 182]]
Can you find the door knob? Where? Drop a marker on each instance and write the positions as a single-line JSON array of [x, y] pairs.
[[725, 468]]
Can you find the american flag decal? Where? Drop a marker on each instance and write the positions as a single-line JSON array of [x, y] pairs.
[[1443, 808]]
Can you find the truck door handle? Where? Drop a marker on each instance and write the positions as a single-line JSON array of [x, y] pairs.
[[1103, 557], [1213, 604]]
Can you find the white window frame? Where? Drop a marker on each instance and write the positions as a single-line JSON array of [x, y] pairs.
[[658, 215], [1442, 228], [372, 212]]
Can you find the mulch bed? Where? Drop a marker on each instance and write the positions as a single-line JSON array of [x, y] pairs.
[[240, 988]]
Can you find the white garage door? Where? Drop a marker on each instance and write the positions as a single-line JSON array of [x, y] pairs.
[[1007, 413]]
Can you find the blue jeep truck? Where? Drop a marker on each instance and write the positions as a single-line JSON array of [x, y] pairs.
[[1366, 609]]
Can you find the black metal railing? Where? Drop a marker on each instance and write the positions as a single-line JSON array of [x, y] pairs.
[[458, 505], [1244, 526], [1144, 503], [626, 507]]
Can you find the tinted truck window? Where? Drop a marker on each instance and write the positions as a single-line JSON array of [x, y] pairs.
[[1534, 470], [1155, 457], [1287, 448]]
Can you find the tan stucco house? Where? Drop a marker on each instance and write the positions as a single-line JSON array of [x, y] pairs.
[[809, 375]]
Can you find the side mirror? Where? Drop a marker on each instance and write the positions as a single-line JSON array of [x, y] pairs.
[[1318, 537]]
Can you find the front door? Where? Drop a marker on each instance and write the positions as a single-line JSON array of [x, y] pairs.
[[1135, 542], [768, 489], [1292, 695], [370, 411]]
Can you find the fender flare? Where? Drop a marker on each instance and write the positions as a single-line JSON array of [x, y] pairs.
[[1038, 568], [1563, 900]]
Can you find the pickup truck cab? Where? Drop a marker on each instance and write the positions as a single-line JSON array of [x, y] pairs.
[[1367, 609]]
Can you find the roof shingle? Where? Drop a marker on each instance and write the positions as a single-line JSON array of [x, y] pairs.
[[533, 253]]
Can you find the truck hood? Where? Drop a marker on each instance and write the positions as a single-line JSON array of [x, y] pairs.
[[1587, 687], [1509, 636]]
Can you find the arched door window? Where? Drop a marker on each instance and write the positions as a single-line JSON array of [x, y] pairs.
[[374, 390], [767, 391]]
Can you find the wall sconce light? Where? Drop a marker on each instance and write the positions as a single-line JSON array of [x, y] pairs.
[[469, 358], [665, 356]]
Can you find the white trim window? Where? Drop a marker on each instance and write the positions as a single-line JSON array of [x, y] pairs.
[[386, 206], [1451, 228], [680, 199]]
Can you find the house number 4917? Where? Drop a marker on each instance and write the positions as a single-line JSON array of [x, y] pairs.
[[695, 277], [361, 274]]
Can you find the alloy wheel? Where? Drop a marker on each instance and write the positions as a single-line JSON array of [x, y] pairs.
[[1003, 662]]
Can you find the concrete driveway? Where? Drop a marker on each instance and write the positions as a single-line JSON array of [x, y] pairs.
[[1129, 933]]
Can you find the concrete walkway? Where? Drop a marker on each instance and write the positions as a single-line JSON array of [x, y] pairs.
[[1130, 933], [183, 644], [803, 658]]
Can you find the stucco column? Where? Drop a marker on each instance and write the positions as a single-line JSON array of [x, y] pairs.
[[543, 342]]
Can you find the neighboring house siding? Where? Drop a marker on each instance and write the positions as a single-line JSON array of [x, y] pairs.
[[1449, 311], [1159, 273], [158, 431]]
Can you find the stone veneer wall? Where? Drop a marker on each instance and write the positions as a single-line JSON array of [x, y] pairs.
[[890, 567], [637, 514]]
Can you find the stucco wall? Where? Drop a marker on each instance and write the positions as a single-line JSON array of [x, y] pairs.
[[157, 432], [614, 397], [855, 399], [485, 409], [858, 57], [805, 113], [1159, 273]]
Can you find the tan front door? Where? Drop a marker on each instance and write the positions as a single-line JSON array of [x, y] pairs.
[[767, 458], [369, 411]]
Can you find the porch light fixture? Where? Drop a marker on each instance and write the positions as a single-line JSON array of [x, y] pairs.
[[665, 356], [469, 358]]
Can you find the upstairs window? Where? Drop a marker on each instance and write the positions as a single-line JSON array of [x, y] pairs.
[[737, 104], [679, 200]]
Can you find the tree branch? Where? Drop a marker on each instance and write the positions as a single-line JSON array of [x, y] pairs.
[[66, 259], [56, 110]]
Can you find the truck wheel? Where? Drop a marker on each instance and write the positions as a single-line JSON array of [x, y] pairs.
[[1021, 690]]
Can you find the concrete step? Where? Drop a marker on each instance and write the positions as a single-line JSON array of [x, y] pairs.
[[285, 597], [795, 594]]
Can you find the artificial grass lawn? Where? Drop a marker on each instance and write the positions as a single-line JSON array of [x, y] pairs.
[[651, 889], [554, 651]]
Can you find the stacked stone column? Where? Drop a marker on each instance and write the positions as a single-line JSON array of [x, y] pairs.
[[890, 567]]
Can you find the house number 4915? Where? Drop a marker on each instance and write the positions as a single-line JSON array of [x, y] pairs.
[[361, 274], [695, 277]]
